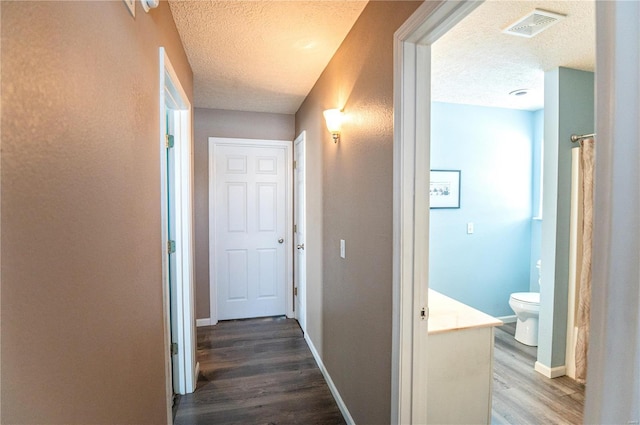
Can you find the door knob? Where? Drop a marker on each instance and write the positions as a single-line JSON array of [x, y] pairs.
[[301, 246], [280, 240]]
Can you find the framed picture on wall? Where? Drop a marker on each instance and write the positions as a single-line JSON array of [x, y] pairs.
[[444, 189]]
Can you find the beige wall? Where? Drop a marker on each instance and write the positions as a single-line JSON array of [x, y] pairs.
[[82, 308], [220, 123], [357, 178]]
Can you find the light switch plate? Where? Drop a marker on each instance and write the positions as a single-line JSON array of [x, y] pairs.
[[343, 249]]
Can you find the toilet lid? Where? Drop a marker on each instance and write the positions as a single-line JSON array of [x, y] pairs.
[[527, 297]]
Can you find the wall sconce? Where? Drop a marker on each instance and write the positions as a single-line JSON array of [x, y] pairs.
[[334, 117]]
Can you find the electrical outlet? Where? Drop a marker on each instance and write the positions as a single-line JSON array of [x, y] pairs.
[[343, 249], [469, 228]]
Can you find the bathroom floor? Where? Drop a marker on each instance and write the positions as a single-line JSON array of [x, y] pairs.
[[523, 396]]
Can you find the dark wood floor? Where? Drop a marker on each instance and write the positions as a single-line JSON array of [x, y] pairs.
[[260, 371], [257, 371], [523, 396]]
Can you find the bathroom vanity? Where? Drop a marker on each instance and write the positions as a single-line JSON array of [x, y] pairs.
[[460, 362]]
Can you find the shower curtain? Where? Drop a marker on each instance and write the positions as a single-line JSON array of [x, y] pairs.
[[584, 296]]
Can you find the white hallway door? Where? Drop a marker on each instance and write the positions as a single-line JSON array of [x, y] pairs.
[[250, 253], [299, 213]]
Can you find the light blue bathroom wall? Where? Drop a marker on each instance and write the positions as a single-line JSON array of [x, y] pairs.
[[493, 149], [536, 212], [569, 108]]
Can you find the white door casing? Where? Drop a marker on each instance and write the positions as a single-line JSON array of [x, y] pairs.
[[412, 102], [300, 222], [250, 228]]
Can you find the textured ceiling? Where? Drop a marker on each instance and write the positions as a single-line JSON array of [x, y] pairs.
[[262, 56], [475, 63], [266, 55]]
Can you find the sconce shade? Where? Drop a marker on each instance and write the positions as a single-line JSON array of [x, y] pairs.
[[333, 117]]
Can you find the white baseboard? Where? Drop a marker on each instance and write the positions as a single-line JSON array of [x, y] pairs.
[[203, 322], [550, 372], [508, 319], [332, 387]]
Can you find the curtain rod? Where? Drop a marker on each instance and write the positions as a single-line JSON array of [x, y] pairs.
[[577, 138]]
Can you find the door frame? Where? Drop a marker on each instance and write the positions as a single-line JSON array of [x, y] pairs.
[[613, 391], [286, 145], [172, 94], [302, 299], [412, 103]]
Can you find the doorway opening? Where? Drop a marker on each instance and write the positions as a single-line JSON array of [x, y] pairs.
[[500, 150], [411, 153]]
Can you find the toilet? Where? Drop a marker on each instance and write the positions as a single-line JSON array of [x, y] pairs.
[[526, 305]]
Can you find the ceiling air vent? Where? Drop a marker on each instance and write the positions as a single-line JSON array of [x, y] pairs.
[[534, 23]]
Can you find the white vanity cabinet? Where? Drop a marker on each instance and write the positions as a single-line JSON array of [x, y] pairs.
[[460, 362]]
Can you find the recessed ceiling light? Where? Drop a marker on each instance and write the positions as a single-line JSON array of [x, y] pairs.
[[519, 92]]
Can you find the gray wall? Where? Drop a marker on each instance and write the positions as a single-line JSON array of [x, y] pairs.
[[220, 123], [352, 296], [569, 108], [82, 308]]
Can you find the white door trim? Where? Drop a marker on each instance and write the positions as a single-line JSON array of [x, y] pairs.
[[213, 295], [412, 99], [301, 140], [613, 387], [172, 93]]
